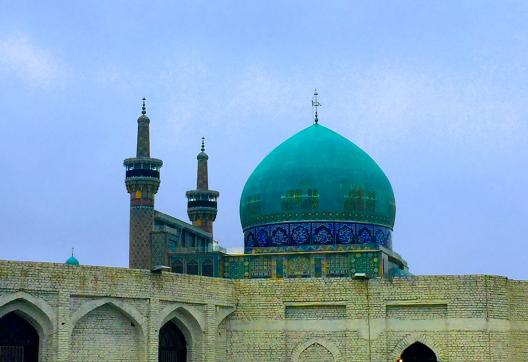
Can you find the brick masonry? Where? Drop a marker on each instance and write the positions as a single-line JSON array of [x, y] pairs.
[[114, 314]]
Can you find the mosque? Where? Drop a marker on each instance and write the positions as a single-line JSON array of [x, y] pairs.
[[318, 279]]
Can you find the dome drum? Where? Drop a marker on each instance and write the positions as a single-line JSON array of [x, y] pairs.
[[308, 236]]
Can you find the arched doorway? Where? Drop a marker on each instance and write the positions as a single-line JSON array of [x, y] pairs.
[[172, 344], [19, 341], [418, 352]]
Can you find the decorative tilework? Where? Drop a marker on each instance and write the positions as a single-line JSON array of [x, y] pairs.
[[345, 233], [293, 265], [262, 236], [279, 235], [260, 267], [307, 236], [299, 266], [338, 265], [323, 233], [388, 241], [364, 235], [300, 234], [250, 239], [236, 268]]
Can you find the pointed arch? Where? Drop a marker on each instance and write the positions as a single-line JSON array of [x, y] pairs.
[[301, 347], [418, 352], [35, 308], [191, 315], [37, 312], [191, 322], [409, 340], [222, 312], [128, 310]]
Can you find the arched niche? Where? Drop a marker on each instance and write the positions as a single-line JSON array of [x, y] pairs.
[[107, 327], [316, 349]]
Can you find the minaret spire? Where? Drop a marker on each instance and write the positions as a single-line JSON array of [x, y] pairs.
[[142, 182], [315, 105], [202, 202], [143, 136]]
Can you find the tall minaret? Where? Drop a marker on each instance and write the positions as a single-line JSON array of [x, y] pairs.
[[142, 182], [202, 202]]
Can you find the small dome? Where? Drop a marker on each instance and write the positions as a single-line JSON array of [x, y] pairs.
[[72, 261], [317, 174]]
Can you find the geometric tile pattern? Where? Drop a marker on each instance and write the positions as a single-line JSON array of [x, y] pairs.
[[294, 265]]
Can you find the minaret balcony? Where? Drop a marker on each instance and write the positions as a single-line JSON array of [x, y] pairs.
[[201, 203], [142, 172]]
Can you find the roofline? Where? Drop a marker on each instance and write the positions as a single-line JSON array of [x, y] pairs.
[[161, 216]]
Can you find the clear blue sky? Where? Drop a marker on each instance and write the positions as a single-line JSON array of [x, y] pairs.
[[435, 91]]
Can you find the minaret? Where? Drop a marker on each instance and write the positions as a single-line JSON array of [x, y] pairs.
[[202, 202], [142, 182]]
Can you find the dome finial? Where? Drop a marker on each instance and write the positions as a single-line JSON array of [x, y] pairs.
[[144, 108], [203, 145], [315, 104]]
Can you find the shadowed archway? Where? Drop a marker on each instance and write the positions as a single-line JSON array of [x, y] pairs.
[[172, 344], [19, 341], [418, 352]]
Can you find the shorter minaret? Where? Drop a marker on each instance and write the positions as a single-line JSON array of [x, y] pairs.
[[202, 202], [142, 183]]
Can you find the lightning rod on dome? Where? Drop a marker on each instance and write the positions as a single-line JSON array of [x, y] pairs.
[[315, 105]]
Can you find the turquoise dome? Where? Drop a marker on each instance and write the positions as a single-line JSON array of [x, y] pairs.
[[72, 261], [317, 175]]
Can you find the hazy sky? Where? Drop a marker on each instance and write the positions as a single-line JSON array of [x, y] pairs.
[[435, 91]]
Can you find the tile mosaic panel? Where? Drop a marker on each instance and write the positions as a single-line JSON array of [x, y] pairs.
[[315, 236]]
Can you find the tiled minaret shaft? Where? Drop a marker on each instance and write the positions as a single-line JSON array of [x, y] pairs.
[[142, 182], [202, 202]]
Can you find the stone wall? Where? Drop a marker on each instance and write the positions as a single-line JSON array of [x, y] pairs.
[[113, 314], [105, 334], [461, 318]]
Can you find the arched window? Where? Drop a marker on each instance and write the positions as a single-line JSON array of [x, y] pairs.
[[418, 352]]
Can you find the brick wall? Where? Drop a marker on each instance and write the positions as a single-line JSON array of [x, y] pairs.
[[98, 313], [105, 334]]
